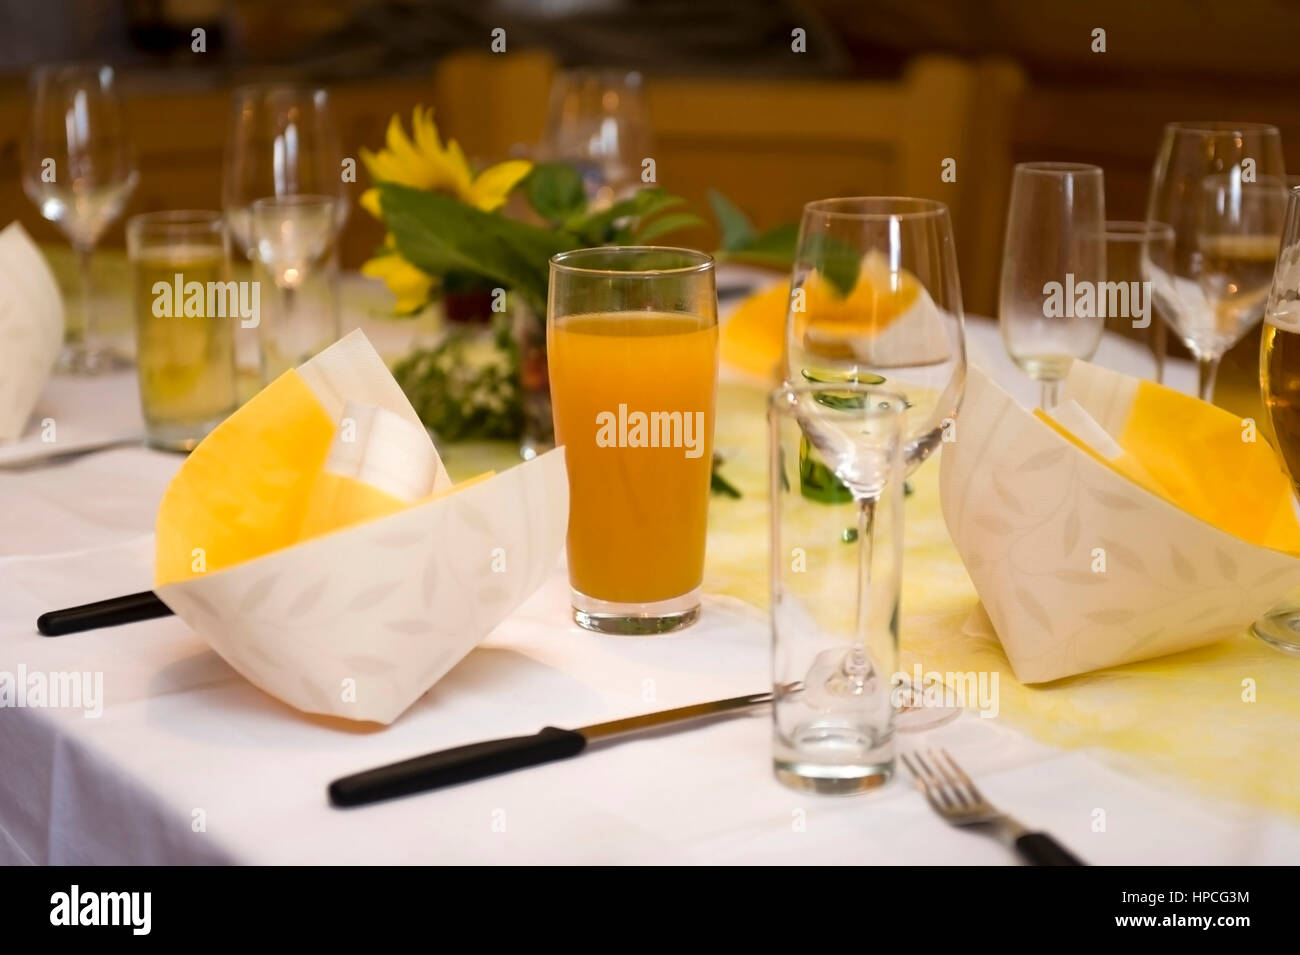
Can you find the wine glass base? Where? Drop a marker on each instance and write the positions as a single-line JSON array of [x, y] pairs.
[[80, 359], [915, 714], [1280, 630]]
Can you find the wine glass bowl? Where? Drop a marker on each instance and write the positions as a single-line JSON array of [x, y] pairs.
[[1221, 187], [1279, 367], [282, 142], [875, 299], [598, 121], [1053, 267]]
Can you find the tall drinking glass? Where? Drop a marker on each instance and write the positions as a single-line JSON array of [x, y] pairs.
[[876, 299], [1132, 249], [293, 241], [186, 308], [1221, 186], [1279, 366], [633, 349], [79, 169], [836, 562], [1053, 264]]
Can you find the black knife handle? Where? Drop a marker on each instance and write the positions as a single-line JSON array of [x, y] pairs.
[[1038, 848], [102, 613], [461, 764]]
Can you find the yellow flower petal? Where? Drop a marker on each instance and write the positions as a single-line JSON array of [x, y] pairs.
[[424, 162], [370, 202], [408, 284], [492, 187]]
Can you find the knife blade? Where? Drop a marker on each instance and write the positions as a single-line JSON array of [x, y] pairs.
[[462, 764]]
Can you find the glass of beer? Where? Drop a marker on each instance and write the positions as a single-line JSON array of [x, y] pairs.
[[632, 343], [186, 308], [1279, 377]]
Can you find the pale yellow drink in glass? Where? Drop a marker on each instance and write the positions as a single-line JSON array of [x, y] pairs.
[[633, 394], [185, 314]]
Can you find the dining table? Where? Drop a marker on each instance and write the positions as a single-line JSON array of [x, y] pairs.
[[182, 761]]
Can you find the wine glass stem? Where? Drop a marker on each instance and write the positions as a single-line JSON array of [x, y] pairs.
[[1208, 369], [859, 662], [1051, 393], [85, 332]]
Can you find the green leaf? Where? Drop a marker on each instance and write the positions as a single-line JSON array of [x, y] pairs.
[[665, 224], [441, 235], [720, 485], [597, 228], [555, 191], [773, 249], [836, 260], [816, 481], [737, 230]]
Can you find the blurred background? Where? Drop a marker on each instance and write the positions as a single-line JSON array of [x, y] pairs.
[[880, 95]]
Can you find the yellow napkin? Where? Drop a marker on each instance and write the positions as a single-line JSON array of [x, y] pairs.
[[279, 471], [753, 338], [840, 327], [1201, 459]]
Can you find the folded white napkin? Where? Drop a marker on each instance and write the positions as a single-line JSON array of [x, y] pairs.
[[31, 327]]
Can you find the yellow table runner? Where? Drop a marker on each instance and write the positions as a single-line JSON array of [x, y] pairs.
[[1225, 718]]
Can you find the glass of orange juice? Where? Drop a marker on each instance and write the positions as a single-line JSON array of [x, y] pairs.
[[632, 342]]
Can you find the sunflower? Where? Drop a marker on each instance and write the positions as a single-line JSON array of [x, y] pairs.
[[423, 162]]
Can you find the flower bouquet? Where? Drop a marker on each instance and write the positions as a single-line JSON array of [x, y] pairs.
[[480, 242]]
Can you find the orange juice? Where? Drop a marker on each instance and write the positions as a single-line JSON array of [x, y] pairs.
[[633, 396]]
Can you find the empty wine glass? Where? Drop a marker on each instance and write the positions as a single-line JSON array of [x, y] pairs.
[[1053, 264], [292, 243], [282, 142], [876, 300], [1221, 187], [597, 120], [79, 169]]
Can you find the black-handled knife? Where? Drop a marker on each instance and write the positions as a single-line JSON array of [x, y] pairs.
[[462, 764], [102, 613]]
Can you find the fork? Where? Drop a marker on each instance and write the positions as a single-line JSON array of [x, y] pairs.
[[952, 794]]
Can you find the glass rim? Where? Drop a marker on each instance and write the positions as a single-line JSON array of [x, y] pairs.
[[177, 220], [836, 208], [277, 86], [630, 77], [702, 261], [1121, 230], [70, 66], [1052, 167], [1220, 127]]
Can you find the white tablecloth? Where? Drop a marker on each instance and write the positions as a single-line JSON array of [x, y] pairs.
[[189, 763]]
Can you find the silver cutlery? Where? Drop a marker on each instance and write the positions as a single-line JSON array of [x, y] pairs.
[[952, 794]]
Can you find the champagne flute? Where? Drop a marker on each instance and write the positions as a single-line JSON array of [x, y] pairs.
[[1221, 188], [876, 300], [1053, 257], [282, 142], [1279, 368], [79, 169]]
